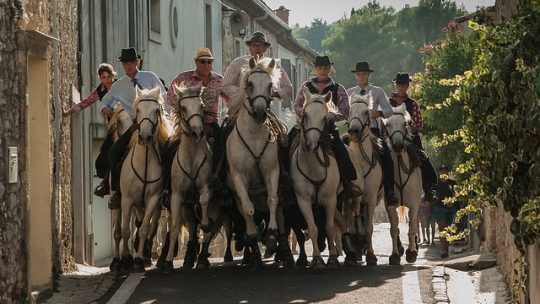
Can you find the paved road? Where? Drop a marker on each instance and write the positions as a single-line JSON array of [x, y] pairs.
[[230, 283]]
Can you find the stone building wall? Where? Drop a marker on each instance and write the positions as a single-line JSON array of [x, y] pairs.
[[12, 133]]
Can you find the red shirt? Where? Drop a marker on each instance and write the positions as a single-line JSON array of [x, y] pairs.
[[414, 111]]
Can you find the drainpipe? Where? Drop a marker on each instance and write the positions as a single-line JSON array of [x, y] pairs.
[[57, 123]]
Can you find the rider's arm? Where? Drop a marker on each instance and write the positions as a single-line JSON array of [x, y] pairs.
[[109, 100], [383, 102], [416, 115], [343, 105], [85, 103]]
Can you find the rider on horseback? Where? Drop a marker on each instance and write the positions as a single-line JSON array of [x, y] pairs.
[[123, 91], [429, 176], [380, 107], [211, 83], [322, 84]]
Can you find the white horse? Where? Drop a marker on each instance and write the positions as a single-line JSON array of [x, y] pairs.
[[252, 155], [362, 147], [118, 125], [141, 176], [192, 164], [407, 179], [315, 174]]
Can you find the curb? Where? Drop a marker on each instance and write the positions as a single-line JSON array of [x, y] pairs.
[[440, 289]]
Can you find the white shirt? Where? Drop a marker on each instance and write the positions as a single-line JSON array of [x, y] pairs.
[[379, 100], [123, 90]]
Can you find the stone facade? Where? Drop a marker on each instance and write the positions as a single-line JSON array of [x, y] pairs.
[[44, 33]]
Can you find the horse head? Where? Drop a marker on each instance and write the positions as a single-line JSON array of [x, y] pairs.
[[259, 81], [397, 126], [190, 110], [148, 111], [358, 117], [314, 118]]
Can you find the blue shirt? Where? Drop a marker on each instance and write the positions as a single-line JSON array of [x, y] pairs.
[[123, 90], [379, 100]]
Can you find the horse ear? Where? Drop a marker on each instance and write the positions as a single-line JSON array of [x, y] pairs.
[[328, 96], [272, 63], [252, 63]]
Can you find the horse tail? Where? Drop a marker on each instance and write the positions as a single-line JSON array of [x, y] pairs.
[[402, 214]]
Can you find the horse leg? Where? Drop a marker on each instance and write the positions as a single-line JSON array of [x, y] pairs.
[[127, 259], [305, 206], [207, 222], [394, 233], [301, 240], [371, 259], [144, 231], [271, 239], [191, 248], [228, 235], [412, 251], [330, 232], [285, 254], [174, 230], [116, 222], [148, 244]]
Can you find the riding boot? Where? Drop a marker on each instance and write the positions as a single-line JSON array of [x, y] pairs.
[[103, 188], [115, 160], [345, 166], [388, 176]]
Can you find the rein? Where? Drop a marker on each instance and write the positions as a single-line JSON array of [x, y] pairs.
[[372, 162], [251, 99], [401, 163], [185, 127], [257, 158], [154, 127], [192, 178], [316, 184]]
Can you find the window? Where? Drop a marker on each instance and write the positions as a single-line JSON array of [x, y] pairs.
[[208, 25], [154, 15]]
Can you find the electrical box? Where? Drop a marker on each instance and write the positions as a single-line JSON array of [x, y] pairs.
[[13, 163]]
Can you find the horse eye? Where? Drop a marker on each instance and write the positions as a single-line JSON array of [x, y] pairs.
[[137, 110], [183, 109], [157, 111]]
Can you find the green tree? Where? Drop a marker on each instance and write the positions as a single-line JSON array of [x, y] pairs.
[[314, 34]]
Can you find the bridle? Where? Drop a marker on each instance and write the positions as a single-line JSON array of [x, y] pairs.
[[404, 134], [303, 128], [251, 99], [154, 124], [185, 121], [363, 124]]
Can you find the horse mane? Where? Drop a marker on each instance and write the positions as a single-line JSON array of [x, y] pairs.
[[176, 115], [362, 98], [238, 99], [162, 132], [112, 126]]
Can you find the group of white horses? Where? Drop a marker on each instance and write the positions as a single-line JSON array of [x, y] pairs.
[[252, 163]]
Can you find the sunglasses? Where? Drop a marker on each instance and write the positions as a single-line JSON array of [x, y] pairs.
[[203, 61]]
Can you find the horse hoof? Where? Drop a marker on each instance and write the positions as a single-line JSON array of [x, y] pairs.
[[401, 250], [410, 256], [333, 262], [318, 263], [127, 262], [371, 259], [203, 263], [288, 260], [167, 268], [160, 263], [302, 261], [271, 242], [394, 259], [115, 265], [138, 265], [350, 260], [147, 262]]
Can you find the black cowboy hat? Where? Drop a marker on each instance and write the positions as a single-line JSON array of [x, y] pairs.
[[362, 66], [129, 54], [402, 78], [322, 61], [258, 37]]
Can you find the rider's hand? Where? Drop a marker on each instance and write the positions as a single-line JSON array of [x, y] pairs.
[[375, 114], [275, 94], [107, 112]]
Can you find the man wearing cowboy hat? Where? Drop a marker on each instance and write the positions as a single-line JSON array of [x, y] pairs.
[[212, 83], [257, 45], [321, 84], [379, 106], [429, 176], [123, 91]]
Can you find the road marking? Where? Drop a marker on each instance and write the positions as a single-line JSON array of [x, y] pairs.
[[411, 287], [128, 287]]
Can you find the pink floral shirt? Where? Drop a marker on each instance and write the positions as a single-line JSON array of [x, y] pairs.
[[88, 101], [210, 96], [416, 115]]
